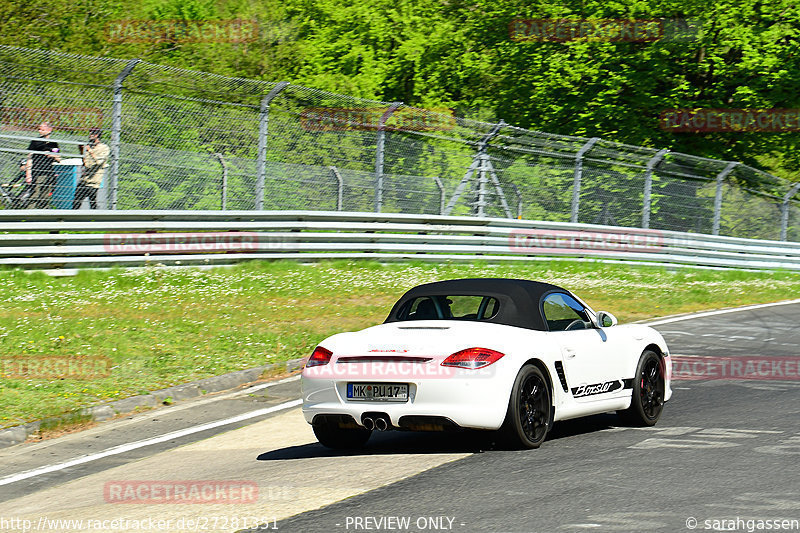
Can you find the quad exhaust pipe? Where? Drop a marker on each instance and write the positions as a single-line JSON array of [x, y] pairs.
[[380, 423]]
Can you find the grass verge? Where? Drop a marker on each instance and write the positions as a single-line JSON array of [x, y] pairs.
[[160, 327]]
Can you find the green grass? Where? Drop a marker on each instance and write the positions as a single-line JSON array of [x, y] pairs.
[[162, 327]]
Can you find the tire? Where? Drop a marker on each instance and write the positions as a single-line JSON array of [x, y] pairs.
[[647, 401], [331, 435], [528, 419]]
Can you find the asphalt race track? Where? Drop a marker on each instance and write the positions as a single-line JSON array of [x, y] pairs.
[[723, 450], [723, 457]]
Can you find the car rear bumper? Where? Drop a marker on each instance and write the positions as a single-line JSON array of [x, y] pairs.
[[468, 403]]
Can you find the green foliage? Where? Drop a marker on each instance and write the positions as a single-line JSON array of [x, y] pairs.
[[458, 53]]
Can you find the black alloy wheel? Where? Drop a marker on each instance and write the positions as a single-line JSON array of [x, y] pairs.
[[647, 401], [528, 419]]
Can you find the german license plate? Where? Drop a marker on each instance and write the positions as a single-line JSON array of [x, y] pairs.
[[386, 392]]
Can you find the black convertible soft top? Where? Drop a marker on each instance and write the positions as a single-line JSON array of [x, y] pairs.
[[519, 298]]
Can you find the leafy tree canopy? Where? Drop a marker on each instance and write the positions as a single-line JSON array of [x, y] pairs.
[[459, 54]]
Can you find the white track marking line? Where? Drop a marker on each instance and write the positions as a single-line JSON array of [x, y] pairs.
[[255, 388], [718, 312], [136, 418], [122, 448]]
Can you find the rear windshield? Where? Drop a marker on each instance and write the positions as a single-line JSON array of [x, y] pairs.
[[449, 308]]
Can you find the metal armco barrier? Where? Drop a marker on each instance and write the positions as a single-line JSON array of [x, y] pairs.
[[47, 239]]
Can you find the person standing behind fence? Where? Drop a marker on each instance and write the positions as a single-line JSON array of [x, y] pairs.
[[95, 161], [40, 174]]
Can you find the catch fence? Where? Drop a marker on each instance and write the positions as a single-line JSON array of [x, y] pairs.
[[182, 140]]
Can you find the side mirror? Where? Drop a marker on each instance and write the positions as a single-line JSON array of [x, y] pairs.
[[606, 319]]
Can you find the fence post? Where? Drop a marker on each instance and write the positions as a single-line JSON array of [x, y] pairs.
[[576, 180], [224, 199], [116, 127], [379, 155], [480, 204], [519, 201], [718, 195], [263, 129], [339, 187], [648, 185], [441, 194], [785, 210]]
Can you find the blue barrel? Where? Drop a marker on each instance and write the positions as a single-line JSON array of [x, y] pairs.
[[66, 181]]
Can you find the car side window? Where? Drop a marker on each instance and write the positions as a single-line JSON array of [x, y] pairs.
[[562, 312]]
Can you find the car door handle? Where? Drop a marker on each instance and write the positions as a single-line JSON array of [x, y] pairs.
[[570, 352]]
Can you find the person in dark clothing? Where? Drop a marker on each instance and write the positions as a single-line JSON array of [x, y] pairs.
[[40, 174], [21, 198]]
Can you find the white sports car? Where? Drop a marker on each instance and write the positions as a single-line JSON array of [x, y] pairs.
[[495, 354]]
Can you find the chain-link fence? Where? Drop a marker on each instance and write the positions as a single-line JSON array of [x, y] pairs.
[[181, 139]]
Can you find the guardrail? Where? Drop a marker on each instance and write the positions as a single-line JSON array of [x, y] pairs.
[[47, 239]]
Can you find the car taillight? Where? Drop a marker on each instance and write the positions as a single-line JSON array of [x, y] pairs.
[[473, 358], [320, 357]]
